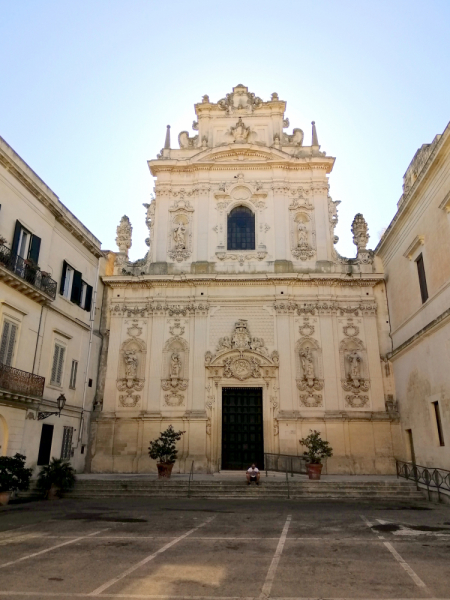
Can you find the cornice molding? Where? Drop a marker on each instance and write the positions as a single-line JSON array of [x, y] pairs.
[[47, 200]]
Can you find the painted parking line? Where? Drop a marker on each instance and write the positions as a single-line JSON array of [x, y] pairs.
[[421, 584], [267, 587], [42, 595], [28, 556], [147, 559]]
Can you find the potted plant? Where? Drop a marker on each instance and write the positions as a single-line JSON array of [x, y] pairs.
[[163, 450], [317, 449], [14, 476], [56, 478]]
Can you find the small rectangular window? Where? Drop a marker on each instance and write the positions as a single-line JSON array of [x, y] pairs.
[[57, 365], [83, 294], [73, 374], [422, 278], [66, 447], [437, 414], [7, 342]]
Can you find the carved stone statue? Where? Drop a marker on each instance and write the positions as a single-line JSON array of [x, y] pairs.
[[131, 364], [179, 236], [302, 233], [124, 231], [175, 365], [307, 361], [187, 142], [355, 367]]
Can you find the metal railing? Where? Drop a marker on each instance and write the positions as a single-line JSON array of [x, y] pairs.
[[21, 382], [27, 271], [191, 477], [433, 479], [285, 463]]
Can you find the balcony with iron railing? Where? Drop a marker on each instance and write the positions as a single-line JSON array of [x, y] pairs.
[[15, 381], [25, 276]]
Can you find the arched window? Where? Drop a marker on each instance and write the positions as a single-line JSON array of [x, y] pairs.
[[241, 229]]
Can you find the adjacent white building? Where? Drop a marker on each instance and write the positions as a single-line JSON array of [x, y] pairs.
[[415, 251], [49, 340]]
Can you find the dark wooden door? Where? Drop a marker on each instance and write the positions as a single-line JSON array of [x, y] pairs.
[[242, 428], [45, 447]]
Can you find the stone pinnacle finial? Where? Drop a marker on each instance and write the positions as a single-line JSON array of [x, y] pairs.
[[360, 232], [123, 239], [315, 139], [167, 142]]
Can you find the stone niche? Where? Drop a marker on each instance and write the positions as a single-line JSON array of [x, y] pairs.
[[131, 372], [175, 369]]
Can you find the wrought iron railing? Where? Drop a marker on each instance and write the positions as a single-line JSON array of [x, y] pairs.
[[191, 478], [21, 382], [27, 271], [433, 479], [285, 463]]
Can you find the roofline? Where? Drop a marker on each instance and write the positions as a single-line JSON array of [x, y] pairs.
[[405, 203], [40, 190]]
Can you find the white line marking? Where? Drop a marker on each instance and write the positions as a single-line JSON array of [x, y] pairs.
[[147, 559], [13, 562], [401, 561], [405, 565], [149, 597], [267, 587]]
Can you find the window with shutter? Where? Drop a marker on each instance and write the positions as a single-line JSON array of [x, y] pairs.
[[66, 448], [73, 374], [68, 278], [7, 343], [57, 365]]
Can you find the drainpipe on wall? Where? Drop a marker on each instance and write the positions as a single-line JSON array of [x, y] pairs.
[[91, 334]]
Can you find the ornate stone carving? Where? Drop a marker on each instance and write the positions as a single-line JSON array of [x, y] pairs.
[[239, 133], [176, 329], [303, 232], [129, 400], [350, 330], [354, 371], [240, 99], [333, 217], [173, 399], [329, 308], [180, 234], [296, 139], [242, 340], [306, 330], [131, 368], [187, 142], [311, 400], [242, 368], [241, 257], [360, 232], [275, 357], [123, 239], [175, 355], [356, 401]]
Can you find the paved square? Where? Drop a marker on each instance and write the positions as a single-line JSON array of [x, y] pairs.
[[187, 549]]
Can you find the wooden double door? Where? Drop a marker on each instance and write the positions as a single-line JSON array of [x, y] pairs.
[[242, 428]]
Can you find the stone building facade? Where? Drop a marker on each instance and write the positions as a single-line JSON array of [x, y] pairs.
[[243, 326], [49, 340], [415, 250]]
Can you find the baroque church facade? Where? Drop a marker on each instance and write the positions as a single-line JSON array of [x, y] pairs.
[[243, 326]]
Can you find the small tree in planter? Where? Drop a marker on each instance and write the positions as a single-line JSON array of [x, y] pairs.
[[317, 449], [14, 476], [164, 450], [56, 478]]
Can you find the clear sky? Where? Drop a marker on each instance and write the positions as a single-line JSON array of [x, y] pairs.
[[87, 88]]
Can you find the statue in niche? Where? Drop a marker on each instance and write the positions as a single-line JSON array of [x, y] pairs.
[[175, 366], [355, 367], [179, 236], [307, 361], [302, 233], [131, 364]]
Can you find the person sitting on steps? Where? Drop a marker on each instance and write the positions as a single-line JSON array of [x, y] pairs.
[[253, 474]]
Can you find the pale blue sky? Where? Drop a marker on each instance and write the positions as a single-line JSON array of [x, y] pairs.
[[88, 86]]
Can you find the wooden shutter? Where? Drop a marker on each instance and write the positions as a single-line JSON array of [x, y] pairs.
[[59, 370], [55, 363], [76, 287], [88, 301], [66, 448], [35, 247], [15, 245], [63, 278], [73, 374], [7, 343], [422, 278]]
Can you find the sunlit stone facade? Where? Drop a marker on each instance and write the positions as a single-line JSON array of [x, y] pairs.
[[242, 295]]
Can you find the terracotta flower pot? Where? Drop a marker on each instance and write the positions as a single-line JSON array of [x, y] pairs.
[[53, 492], [4, 498], [314, 471], [164, 470]]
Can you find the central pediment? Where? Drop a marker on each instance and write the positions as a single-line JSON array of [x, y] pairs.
[[240, 152]]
